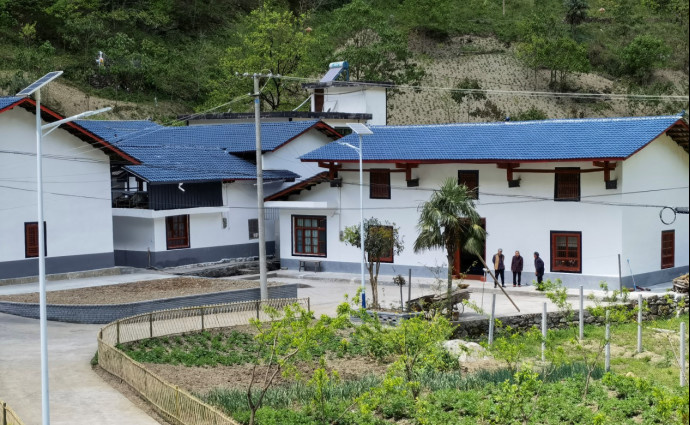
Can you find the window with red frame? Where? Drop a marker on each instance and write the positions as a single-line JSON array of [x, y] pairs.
[[668, 249], [567, 184], [309, 235], [31, 240], [566, 252], [470, 178], [177, 231], [380, 184]]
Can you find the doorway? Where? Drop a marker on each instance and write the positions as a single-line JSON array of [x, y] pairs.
[[469, 263]]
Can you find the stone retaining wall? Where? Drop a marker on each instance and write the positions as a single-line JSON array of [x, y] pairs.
[[111, 312], [657, 307]]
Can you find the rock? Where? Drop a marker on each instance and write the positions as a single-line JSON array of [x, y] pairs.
[[466, 352], [630, 375]]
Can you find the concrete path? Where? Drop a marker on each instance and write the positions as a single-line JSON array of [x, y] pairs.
[[86, 282], [77, 395]]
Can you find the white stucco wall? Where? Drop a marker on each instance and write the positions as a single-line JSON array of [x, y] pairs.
[[516, 219], [356, 99], [77, 207], [287, 156], [647, 177]]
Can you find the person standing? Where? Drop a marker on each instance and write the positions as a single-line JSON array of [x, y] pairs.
[[538, 267], [516, 268], [499, 267]]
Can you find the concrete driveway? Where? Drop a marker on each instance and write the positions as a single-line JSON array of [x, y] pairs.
[[77, 395]]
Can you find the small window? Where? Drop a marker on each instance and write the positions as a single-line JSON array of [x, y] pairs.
[[380, 184], [177, 231], [668, 248], [309, 235], [470, 178], [567, 184], [388, 258], [31, 240], [253, 228], [566, 252]]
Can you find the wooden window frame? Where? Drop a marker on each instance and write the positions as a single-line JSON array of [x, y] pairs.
[[323, 229], [253, 224], [176, 241], [388, 259], [558, 180], [380, 190], [474, 191], [31, 251], [554, 252], [668, 253]]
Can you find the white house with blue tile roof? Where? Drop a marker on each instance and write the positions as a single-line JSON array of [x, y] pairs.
[[193, 198], [77, 208], [579, 191]]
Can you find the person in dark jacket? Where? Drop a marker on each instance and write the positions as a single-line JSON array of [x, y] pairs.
[[516, 268], [538, 267], [499, 267]]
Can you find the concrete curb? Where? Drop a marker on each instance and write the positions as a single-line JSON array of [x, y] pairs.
[[106, 313]]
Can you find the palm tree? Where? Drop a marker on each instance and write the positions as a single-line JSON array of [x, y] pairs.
[[449, 220]]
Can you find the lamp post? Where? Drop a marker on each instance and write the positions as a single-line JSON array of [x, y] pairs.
[[44, 130], [360, 130]]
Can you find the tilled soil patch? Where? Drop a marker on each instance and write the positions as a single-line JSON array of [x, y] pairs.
[[201, 380], [137, 291]]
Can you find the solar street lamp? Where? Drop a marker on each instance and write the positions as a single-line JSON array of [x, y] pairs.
[[43, 130], [360, 130]]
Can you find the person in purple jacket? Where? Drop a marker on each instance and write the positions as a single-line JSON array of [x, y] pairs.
[[516, 268]]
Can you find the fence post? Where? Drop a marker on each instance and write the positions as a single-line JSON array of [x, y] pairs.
[[607, 364], [409, 288], [582, 313], [177, 401], [492, 320], [202, 319], [309, 304], [258, 309], [682, 354], [117, 326], [639, 323], [4, 413], [543, 334]]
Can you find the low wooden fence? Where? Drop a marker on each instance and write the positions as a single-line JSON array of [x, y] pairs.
[[174, 404], [8, 417]]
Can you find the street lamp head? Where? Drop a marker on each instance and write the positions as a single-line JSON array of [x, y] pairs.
[[359, 128]]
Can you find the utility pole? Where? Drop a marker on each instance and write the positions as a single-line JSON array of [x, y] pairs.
[[260, 190]]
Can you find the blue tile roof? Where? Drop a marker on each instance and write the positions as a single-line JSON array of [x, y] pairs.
[[195, 153], [564, 139], [8, 100]]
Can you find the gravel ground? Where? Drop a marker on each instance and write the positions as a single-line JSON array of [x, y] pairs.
[[137, 291]]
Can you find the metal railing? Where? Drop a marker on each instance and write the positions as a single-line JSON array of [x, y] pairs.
[[175, 404]]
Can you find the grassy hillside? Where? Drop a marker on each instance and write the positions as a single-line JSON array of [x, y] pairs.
[[166, 57]]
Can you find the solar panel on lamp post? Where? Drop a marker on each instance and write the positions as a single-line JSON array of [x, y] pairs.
[[48, 128], [360, 130]]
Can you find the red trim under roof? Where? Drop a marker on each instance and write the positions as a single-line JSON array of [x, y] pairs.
[[319, 178], [26, 103]]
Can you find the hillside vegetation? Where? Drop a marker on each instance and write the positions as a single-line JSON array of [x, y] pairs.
[[166, 57]]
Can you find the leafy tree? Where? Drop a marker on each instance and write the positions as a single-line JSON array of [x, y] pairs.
[[381, 240], [449, 220], [372, 44], [430, 16], [466, 93], [532, 113], [575, 12], [680, 9], [289, 336], [562, 56], [642, 55], [271, 39]]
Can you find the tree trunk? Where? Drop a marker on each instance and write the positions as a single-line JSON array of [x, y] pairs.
[[451, 263], [374, 286]]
